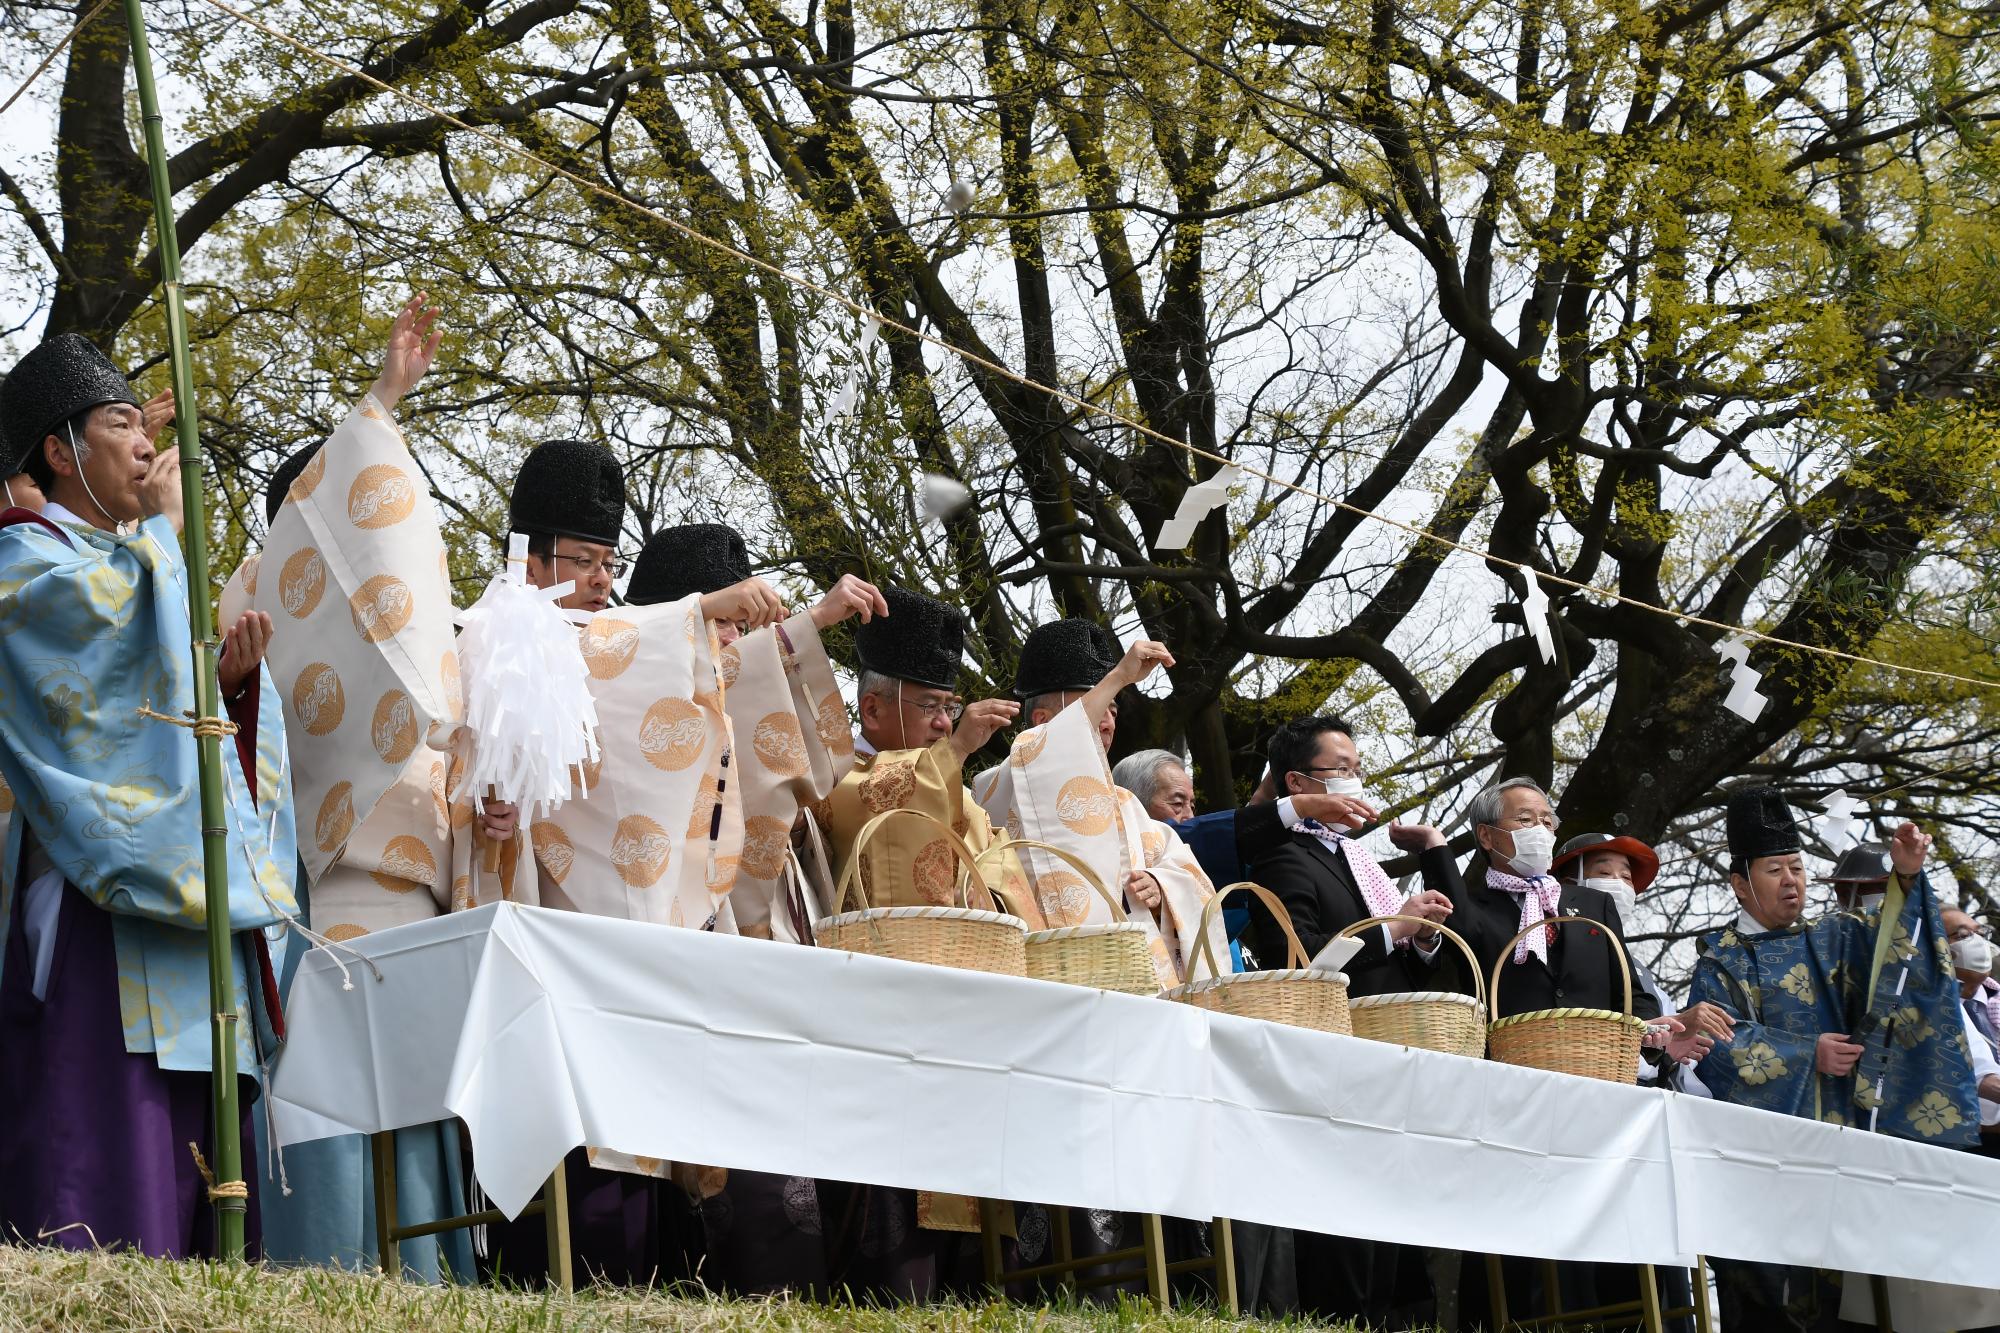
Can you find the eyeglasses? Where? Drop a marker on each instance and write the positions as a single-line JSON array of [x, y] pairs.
[[1967, 932], [950, 708], [1338, 770], [586, 566]]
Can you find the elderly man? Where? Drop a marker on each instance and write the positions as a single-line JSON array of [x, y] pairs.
[[1971, 947], [105, 1006], [1508, 887], [1817, 1032]]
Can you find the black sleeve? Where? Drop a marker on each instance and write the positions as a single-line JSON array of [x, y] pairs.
[[1259, 832], [1293, 876]]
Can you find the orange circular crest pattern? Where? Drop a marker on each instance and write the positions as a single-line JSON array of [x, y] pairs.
[[311, 477], [1154, 840], [609, 646], [889, 786], [1086, 806], [723, 881], [639, 851], [1064, 897], [1028, 747], [250, 568], [302, 582], [834, 731], [382, 496], [394, 730], [342, 933], [317, 699], [552, 849], [764, 842], [336, 818], [406, 864], [780, 745], [381, 608], [702, 812], [932, 872], [672, 734], [438, 797], [454, 685], [729, 665]]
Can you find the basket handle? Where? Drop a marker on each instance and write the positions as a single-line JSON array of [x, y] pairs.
[[1507, 952], [1076, 863], [1478, 981], [1295, 953], [850, 874]]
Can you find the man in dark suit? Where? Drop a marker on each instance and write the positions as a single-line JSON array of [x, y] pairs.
[[1327, 882], [1507, 886]]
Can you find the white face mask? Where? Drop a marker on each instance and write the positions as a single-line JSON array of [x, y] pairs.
[[1340, 787], [1974, 953], [1622, 896], [1534, 849]]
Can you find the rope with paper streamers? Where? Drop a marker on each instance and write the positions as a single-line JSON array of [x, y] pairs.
[[1211, 496]]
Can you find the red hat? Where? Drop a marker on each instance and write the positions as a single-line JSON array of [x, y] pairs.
[[1645, 861]]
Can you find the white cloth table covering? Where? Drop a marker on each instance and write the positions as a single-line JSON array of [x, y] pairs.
[[544, 1030]]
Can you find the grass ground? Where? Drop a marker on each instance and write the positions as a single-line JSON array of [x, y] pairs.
[[57, 1291]]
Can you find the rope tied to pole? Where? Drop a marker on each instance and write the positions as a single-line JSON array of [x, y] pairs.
[[218, 1191], [217, 727]]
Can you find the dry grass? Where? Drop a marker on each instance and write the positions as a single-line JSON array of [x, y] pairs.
[[56, 1291]]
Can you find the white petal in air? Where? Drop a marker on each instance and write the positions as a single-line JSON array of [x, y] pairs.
[[942, 496]]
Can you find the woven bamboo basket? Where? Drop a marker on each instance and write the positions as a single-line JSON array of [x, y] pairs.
[[1591, 1043], [1114, 955], [1301, 996], [1430, 1020], [962, 936]]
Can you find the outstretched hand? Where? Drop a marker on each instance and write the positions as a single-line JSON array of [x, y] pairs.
[[242, 649], [979, 722], [1140, 660], [752, 604], [1908, 849], [413, 344], [157, 412], [849, 597]]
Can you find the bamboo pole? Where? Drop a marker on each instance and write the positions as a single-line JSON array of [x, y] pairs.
[[230, 1207]]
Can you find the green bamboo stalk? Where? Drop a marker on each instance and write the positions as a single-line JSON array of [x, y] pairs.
[[228, 1148]]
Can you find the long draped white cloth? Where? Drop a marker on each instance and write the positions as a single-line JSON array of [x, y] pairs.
[[563, 1029]]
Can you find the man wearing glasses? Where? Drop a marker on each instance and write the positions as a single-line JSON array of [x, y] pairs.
[[910, 754], [1971, 947]]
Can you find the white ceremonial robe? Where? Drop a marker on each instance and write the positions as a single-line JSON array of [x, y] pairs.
[[1056, 788]]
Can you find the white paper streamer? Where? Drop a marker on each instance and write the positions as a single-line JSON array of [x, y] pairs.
[[1836, 825], [850, 388], [527, 691], [1196, 503], [1535, 607], [1743, 698]]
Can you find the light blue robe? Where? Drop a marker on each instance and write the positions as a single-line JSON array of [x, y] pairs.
[[92, 626]]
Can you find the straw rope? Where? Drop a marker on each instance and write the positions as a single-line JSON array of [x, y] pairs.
[[50, 58], [217, 1190], [1061, 395], [200, 726]]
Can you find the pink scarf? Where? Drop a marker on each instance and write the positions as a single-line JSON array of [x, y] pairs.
[[1378, 892], [1538, 898]]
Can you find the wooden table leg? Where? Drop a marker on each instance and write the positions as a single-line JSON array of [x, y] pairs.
[[1222, 1240], [1156, 1259], [1878, 1287], [1703, 1322], [1552, 1290], [555, 1220], [989, 1241], [1496, 1292], [1649, 1300], [388, 1254]]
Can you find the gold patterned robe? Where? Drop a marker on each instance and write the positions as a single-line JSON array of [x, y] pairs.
[[361, 651], [906, 862], [1056, 788], [785, 708]]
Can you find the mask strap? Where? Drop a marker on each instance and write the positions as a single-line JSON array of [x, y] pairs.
[[902, 728], [80, 454], [9, 484]]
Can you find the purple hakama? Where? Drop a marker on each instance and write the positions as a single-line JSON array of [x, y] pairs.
[[94, 1138]]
